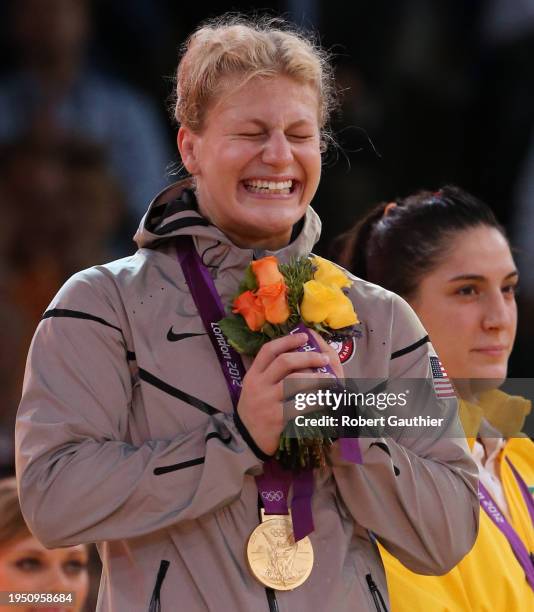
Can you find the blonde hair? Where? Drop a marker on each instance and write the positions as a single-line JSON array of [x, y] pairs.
[[12, 523], [231, 46]]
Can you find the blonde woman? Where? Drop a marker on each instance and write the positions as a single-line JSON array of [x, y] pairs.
[[127, 411]]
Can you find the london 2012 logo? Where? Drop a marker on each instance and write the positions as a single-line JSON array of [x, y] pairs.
[[344, 347]]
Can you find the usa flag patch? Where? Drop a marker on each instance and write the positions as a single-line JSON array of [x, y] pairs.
[[440, 379]]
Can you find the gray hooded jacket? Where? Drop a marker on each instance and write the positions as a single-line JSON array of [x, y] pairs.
[[125, 437]]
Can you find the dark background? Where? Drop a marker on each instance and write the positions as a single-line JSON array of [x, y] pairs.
[[433, 92]]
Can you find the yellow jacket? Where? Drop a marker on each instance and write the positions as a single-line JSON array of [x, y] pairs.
[[489, 578]]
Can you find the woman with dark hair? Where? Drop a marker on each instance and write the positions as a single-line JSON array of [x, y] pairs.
[[447, 255]]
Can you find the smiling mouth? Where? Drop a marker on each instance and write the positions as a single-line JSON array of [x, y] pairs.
[[270, 187]]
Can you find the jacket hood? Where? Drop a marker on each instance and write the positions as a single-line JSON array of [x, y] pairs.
[[174, 212]]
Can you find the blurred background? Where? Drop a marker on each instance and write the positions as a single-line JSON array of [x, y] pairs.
[[433, 92]]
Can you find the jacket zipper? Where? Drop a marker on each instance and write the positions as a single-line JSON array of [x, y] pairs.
[[269, 593], [271, 599], [155, 600], [378, 600]]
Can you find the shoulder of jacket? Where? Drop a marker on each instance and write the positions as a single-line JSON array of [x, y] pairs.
[[101, 282], [382, 309], [372, 300]]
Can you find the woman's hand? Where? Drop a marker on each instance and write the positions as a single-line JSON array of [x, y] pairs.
[[260, 406]]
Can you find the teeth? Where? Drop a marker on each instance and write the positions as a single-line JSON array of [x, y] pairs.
[[270, 185]]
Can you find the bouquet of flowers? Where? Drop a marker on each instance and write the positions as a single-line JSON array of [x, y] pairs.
[[272, 300]]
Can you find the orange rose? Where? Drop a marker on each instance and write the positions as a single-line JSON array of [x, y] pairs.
[[274, 300], [251, 308], [266, 271]]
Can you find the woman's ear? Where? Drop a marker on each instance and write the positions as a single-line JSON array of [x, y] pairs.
[[188, 146]]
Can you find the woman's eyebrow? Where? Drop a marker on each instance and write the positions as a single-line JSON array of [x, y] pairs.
[[299, 123], [263, 125], [77, 553], [31, 551], [257, 122], [467, 277], [479, 277]]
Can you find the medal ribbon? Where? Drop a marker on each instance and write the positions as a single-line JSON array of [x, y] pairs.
[[273, 485], [211, 310], [527, 495], [520, 551]]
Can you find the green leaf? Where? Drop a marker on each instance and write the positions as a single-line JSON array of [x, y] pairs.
[[240, 336], [249, 282], [270, 331], [321, 329], [296, 273]]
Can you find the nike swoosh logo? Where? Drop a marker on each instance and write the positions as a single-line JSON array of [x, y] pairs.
[[172, 337]]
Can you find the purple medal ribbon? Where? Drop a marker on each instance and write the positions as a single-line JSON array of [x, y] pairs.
[[520, 551], [273, 486], [275, 482], [527, 495], [301, 503], [211, 310], [350, 450]]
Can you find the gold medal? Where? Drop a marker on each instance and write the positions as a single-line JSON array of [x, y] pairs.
[[274, 558]]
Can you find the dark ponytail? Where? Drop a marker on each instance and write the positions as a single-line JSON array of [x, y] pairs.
[[352, 245], [397, 249]]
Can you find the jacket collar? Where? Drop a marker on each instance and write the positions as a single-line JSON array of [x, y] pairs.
[[496, 410], [174, 212]]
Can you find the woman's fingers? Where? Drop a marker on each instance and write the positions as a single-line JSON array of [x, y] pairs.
[[307, 382], [271, 350], [280, 357], [308, 388], [288, 363]]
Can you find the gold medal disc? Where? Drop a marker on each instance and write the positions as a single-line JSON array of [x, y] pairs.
[[274, 558]]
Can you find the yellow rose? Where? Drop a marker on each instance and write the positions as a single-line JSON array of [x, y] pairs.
[[329, 274], [343, 314], [317, 301], [327, 304]]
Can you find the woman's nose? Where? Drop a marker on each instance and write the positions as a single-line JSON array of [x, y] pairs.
[[277, 150], [58, 581], [497, 313]]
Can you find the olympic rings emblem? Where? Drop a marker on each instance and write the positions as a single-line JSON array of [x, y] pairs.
[[272, 496]]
